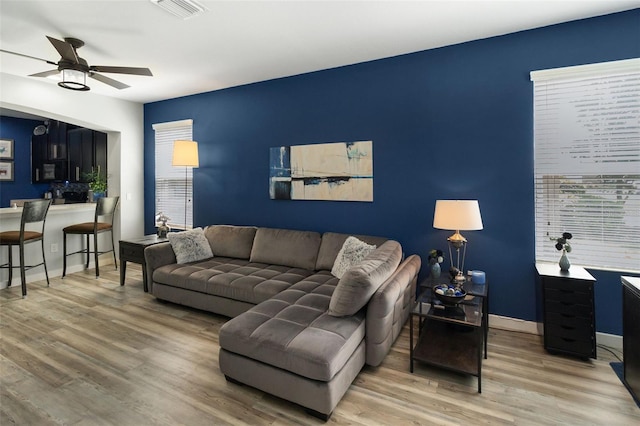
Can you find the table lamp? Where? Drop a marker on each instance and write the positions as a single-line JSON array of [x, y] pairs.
[[457, 215]]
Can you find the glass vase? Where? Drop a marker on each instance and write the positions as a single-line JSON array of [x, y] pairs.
[[435, 271], [564, 261]]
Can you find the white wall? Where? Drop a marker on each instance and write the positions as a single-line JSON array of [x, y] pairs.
[[121, 120]]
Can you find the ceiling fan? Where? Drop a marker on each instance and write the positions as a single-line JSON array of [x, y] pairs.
[[74, 69]]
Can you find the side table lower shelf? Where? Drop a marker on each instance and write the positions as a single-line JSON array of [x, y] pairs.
[[462, 354], [451, 338]]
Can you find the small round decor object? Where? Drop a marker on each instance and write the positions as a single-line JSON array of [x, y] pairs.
[[449, 295]]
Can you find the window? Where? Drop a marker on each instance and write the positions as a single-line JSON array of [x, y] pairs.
[[173, 189], [587, 163]]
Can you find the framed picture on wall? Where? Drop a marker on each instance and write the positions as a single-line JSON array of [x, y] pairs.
[[6, 149], [6, 171]]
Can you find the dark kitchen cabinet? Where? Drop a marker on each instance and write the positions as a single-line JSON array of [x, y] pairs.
[[49, 154], [100, 152], [87, 152], [67, 154]]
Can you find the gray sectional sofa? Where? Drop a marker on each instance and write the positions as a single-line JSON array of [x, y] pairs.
[[297, 331]]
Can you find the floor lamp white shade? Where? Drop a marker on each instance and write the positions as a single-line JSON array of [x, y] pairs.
[[185, 153]]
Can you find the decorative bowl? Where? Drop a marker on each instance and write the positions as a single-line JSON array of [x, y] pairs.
[[449, 294]]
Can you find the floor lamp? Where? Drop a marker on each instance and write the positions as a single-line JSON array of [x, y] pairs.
[[185, 153], [457, 215]]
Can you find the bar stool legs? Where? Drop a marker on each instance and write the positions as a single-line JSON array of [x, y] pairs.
[[33, 212], [105, 208]]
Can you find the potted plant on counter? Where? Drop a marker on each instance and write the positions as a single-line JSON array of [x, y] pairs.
[[97, 185]]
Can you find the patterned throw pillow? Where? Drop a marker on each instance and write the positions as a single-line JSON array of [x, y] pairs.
[[353, 251], [190, 246]]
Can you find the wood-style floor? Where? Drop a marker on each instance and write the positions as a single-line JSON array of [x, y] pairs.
[[88, 352]]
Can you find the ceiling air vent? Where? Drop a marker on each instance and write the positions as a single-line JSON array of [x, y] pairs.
[[184, 9]]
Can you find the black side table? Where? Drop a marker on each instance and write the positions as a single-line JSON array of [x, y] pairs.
[[447, 337], [133, 251], [476, 290]]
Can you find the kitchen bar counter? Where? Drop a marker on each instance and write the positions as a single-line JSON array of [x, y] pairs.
[[58, 217], [16, 212]]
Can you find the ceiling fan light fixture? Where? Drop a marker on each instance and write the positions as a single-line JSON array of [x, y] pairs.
[[74, 80], [184, 9]]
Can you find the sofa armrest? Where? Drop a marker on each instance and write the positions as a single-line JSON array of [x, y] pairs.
[[389, 308], [155, 256]]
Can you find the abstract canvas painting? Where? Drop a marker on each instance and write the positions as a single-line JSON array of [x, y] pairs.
[[341, 171]]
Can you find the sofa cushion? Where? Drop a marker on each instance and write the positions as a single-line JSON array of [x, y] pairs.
[[358, 284], [231, 241], [190, 246], [292, 331], [353, 251], [236, 279], [332, 243], [298, 249]]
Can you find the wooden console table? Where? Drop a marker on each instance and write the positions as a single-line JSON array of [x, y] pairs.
[[133, 251]]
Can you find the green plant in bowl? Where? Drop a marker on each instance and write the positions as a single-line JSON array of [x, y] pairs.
[[97, 182]]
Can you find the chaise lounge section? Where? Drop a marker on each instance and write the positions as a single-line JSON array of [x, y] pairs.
[[297, 332]]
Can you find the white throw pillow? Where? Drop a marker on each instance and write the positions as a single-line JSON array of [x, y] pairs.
[[353, 251], [190, 246]]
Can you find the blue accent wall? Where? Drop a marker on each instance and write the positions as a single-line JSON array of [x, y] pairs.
[[447, 123], [20, 130]]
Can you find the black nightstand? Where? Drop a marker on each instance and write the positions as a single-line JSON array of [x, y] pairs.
[[569, 310], [133, 251], [475, 290], [447, 337]]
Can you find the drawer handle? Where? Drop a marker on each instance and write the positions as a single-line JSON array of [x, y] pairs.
[[566, 327], [568, 340]]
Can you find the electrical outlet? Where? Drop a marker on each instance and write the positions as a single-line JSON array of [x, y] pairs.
[[54, 248]]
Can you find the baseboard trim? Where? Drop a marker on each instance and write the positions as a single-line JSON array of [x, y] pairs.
[[612, 341], [514, 324]]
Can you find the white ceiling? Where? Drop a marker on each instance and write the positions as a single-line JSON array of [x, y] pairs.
[[239, 42]]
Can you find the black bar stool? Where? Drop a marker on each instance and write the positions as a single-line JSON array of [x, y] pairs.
[[32, 212], [105, 208]]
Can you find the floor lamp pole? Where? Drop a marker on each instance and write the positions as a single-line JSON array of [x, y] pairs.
[[186, 189]]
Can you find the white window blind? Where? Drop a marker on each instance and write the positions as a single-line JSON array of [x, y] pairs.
[[172, 188], [587, 163]]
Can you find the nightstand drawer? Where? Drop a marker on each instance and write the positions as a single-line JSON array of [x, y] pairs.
[[564, 318], [568, 296], [573, 332], [585, 311], [569, 285], [584, 348], [132, 253]]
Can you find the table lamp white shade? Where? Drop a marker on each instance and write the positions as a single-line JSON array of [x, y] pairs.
[[185, 153], [457, 215]]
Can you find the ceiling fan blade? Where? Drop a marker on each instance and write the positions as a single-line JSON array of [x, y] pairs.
[[122, 70], [45, 73], [65, 50], [106, 80], [28, 56]]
